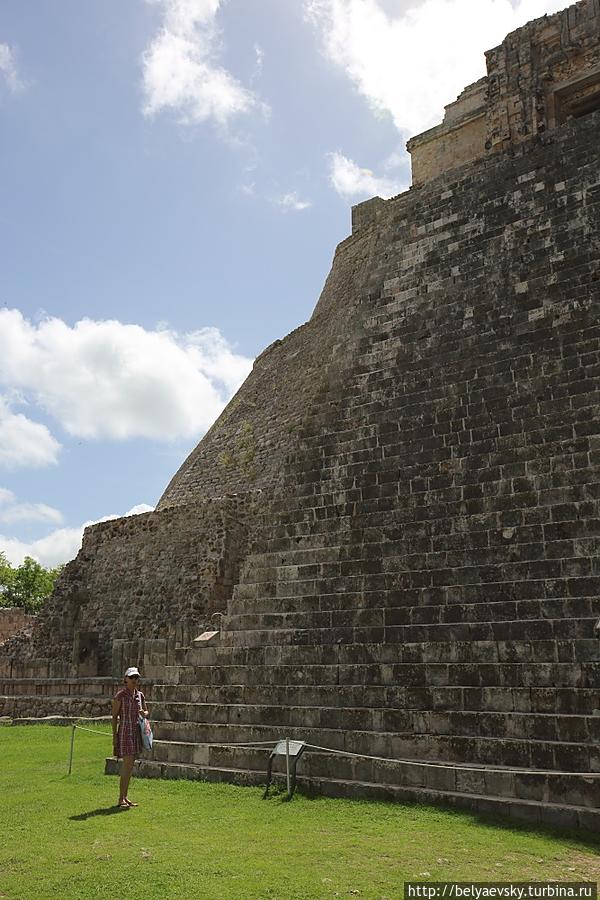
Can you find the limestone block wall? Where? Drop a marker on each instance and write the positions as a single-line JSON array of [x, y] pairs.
[[35, 696], [482, 382], [13, 620], [458, 140], [141, 579]]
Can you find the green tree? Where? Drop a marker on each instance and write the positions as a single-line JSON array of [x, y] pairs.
[[6, 579], [27, 585]]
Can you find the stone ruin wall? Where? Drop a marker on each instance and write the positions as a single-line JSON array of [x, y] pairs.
[[541, 74], [139, 587], [12, 621]]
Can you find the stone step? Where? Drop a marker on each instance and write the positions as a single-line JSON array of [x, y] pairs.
[[538, 629], [582, 650], [409, 674], [403, 535], [557, 815], [548, 786], [377, 505], [468, 552], [570, 576], [514, 725], [350, 653], [581, 701], [427, 612], [563, 551], [532, 753]]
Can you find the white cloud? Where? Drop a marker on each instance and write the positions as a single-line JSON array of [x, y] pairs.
[[292, 202], [413, 64], [23, 442], [8, 68], [59, 546], [181, 72], [30, 512], [352, 182], [108, 379]]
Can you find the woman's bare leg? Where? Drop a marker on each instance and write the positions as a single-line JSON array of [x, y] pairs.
[[126, 770]]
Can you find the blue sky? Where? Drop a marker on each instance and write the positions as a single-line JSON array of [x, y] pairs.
[[175, 176]]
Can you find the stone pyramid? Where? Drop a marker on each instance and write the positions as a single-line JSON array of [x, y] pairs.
[[398, 515]]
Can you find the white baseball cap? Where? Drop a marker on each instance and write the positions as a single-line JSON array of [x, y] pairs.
[[132, 670]]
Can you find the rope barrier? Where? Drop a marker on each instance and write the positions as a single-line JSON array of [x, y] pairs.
[[415, 762], [263, 745], [434, 765], [91, 730], [75, 728], [256, 744]]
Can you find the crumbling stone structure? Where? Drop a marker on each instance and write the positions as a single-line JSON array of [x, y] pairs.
[[419, 583], [539, 77], [12, 621], [141, 585]]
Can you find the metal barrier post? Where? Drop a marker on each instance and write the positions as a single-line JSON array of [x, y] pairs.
[[72, 744], [287, 764]]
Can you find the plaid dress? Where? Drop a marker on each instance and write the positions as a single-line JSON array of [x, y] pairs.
[[129, 739]]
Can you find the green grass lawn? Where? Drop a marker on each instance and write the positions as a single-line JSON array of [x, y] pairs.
[[61, 837]]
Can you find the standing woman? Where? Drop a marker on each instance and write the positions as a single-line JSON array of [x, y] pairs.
[[128, 704]]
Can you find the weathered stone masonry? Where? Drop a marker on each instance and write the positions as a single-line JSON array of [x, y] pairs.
[[12, 621], [421, 575], [539, 76]]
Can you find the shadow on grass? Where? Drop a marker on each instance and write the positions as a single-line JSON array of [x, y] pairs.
[[580, 838], [101, 811]]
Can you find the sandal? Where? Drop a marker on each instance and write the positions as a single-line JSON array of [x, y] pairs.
[[123, 804], [130, 803]]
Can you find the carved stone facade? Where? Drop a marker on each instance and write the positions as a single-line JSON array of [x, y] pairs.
[[539, 77]]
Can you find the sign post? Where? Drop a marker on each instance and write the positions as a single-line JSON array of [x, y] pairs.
[[292, 750]]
